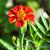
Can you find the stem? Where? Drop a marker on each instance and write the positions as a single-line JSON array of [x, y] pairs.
[[38, 48], [21, 35], [22, 41]]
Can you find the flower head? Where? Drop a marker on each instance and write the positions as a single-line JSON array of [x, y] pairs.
[[19, 15]]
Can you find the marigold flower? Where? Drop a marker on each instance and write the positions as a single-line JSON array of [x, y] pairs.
[[19, 15]]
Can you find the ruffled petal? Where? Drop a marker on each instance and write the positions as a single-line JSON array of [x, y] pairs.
[[11, 13], [11, 19], [18, 24], [15, 10], [27, 10], [30, 17], [25, 18], [18, 7]]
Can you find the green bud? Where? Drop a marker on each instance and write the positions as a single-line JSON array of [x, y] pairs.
[[13, 38]]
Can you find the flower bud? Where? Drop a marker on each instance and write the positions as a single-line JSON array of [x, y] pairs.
[[13, 38]]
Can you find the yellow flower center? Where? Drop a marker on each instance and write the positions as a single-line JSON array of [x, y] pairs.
[[21, 13]]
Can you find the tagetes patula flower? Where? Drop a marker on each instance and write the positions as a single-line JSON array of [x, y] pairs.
[[19, 15]]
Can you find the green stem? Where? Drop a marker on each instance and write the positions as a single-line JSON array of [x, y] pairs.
[[21, 35], [22, 41], [38, 48]]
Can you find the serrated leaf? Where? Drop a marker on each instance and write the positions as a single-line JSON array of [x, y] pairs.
[[40, 26], [49, 24], [6, 45], [38, 42], [39, 34], [35, 29], [18, 44], [43, 19], [27, 45], [31, 32]]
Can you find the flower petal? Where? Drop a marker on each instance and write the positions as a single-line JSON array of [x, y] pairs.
[[30, 17], [26, 17], [20, 15], [26, 9], [11, 13], [18, 24], [11, 19], [15, 9], [18, 7]]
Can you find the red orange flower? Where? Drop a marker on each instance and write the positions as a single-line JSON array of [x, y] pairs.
[[19, 15]]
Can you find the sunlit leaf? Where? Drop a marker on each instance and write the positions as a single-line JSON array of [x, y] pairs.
[[40, 26], [35, 29], [18, 44], [43, 19], [27, 45], [6, 45]]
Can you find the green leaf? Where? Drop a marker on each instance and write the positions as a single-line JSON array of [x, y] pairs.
[[39, 35], [18, 44], [40, 26], [31, 32], [44, 20], [49, 24], [27, 45], [35, 29], [6, 45], [38, 42]]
